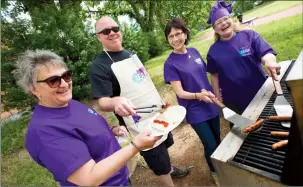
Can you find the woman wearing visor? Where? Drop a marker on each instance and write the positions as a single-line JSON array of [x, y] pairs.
[[235, 60]]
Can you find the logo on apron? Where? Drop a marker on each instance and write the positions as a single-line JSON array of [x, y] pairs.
[[139, 76]]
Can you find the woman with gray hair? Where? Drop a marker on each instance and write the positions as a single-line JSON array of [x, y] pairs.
[[66, 137]]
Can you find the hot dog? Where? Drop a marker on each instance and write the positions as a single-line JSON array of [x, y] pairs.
[[279, 118], [279, 133], [166, 105], [279, 144], [164, 123], [253, 126]]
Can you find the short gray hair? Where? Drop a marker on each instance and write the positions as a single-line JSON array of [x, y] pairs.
[[26, 67]]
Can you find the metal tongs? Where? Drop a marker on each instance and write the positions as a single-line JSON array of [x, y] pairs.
[[152, 108]]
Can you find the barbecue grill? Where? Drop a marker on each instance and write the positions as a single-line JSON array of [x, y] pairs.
[[248, 160], [256, 149]]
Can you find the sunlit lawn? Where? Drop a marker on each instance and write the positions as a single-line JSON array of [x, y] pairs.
[[270, 8]]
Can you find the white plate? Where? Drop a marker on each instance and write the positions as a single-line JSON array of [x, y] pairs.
[[174, 115]]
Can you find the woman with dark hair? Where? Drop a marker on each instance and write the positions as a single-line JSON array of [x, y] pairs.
[[185, 70]]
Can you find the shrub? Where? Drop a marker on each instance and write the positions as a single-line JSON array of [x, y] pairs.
[[157, 43], [135, 41]]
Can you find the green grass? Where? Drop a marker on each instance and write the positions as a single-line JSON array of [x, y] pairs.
[[285, 36], [12, 136], [199, 34], [270, 8], [17, 169]]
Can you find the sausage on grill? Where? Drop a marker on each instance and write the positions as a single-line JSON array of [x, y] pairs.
[[279, 134], [279, 144], [253, 126], [279, 118]]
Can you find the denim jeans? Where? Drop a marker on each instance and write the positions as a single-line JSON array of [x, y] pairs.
[[209, 133]]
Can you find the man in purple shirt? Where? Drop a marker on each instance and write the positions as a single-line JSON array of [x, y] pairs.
[[235, 60], [185, 70], [66, 137]]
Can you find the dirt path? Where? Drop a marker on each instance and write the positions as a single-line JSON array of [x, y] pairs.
[[263, 20], [186, 151]]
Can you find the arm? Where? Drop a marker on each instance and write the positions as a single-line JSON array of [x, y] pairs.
[[106, 104], [213, 69], [266, 54], [120, 105], [215, 84], [203, 95], [94, 174], [272, 68], [177, 87]]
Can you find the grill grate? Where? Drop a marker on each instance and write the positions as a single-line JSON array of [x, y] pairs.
[[256, 151]]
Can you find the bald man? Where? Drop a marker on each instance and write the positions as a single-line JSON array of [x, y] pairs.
[[105, 89]]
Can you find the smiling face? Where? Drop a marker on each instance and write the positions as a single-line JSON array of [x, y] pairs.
[[224, 27], [176, 38], [111, 41], [48, 96]]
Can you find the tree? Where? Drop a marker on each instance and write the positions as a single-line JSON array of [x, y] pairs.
[[60, 26], [61, 30], [242, 6]]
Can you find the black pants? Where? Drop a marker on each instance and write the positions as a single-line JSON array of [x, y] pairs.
[[157, 158]]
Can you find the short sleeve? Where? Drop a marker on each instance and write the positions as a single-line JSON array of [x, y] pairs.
[[170, 73], [199, 55], [64, 156], [211, 65], [260, 46], [101, 85]]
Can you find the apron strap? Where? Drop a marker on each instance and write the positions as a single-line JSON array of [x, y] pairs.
[[111, 57]]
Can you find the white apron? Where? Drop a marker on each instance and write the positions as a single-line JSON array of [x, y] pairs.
[[137, 86]]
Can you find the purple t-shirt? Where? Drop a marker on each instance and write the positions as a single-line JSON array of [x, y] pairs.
[[238, 63], [190, 70], [63, 139]]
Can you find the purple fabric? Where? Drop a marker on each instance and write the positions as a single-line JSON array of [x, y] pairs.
[[238, 63], [63, 139], [190, 69], [136, 118], [219, 10]]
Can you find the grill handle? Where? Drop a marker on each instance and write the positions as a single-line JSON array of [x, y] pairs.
[[219, 103], [277, 86]]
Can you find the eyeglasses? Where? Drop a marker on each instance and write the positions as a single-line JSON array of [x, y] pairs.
[[177, 35], [108, 31], [55, 81], [221, 22]]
